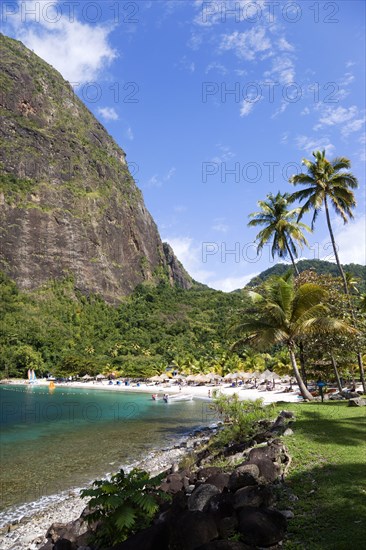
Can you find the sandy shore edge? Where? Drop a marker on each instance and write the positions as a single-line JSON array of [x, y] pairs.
[[29, 533]]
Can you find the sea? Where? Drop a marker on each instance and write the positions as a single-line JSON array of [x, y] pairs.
[[56, 441]]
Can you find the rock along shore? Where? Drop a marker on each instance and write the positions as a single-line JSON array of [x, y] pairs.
[[29, 532]]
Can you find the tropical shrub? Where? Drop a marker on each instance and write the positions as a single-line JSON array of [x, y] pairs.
[[241, 417], [123, 505]]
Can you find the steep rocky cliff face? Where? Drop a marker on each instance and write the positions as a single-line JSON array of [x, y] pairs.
[[69, 205]]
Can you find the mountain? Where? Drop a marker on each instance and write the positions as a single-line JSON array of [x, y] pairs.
[[69, 205], [320, 266]]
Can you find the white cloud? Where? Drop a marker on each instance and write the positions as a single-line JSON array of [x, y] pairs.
[[158, 181], [310, 144], [281, 109], [332, 116], [305, 111], [215, 66], [79, 51], [220, 225], [283, 45], [282, 70], [246, 107], [228, 284], [154, 181], [224, 155], [170, 173], [129, 134], [108, 113], [353, 126], [351, 241], [350, 119], [347, 79], [246, 45], [190, 255], [188, 65]]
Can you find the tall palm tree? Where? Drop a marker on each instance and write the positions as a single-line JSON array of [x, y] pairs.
[[283, 315], [326, 182], [280, 225]]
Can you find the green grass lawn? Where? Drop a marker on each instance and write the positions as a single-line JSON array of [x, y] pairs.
[[328, 475]]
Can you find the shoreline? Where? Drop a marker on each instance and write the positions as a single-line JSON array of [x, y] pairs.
[[28, 533], [197, 392], [33, 527]]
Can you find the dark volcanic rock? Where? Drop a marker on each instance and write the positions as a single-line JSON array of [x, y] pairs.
[[261, 526], [225, 545], [244, 475], [221, 481], [152, 538], [201, 495], [191, 530], [253, 495], [69, 205]]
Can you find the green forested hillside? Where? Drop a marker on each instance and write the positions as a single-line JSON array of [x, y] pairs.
[[57, 329], [319, 266]]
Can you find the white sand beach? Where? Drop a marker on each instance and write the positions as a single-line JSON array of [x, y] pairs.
[[198, 392]]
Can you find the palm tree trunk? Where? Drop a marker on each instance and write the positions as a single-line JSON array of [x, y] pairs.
[[362, 371], [346, 291], [302, 363], [292, 258], [303, 389], [340, 269], [336, 372]]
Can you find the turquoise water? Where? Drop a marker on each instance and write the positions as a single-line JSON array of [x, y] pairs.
[[52, 442]]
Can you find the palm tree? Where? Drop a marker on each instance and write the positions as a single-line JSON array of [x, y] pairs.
[[327, 183], [280, 225], [284, 314]]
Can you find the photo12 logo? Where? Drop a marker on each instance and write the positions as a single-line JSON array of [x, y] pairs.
[[268, 12], [247, 172], [270, 91], [238, 252], [53, 12]]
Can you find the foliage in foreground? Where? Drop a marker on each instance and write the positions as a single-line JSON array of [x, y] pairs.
[[124, 505], [241, 418]]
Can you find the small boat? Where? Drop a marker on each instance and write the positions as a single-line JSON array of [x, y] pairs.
[[177, 397]]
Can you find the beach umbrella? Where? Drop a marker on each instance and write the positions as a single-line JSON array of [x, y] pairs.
[[191, 378], [203, 378], [230, 376], [244, 375], [155, 378], [100, 376], [86, 377], [268, 375], [255, 374], [215, 377]]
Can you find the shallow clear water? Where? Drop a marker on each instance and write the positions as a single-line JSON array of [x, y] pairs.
[[55, 441]]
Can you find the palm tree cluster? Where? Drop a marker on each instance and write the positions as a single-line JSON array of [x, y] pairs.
[[326, 183]]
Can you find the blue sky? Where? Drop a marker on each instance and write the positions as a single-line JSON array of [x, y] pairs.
[[215, 104]]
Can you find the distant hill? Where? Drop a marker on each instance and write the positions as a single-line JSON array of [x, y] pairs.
[[320, 266]]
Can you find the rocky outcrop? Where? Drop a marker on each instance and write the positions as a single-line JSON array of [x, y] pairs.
[[69, 205], [177, 273], [207, 516]]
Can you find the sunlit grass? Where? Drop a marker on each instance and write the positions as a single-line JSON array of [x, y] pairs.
[[328, 475]]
